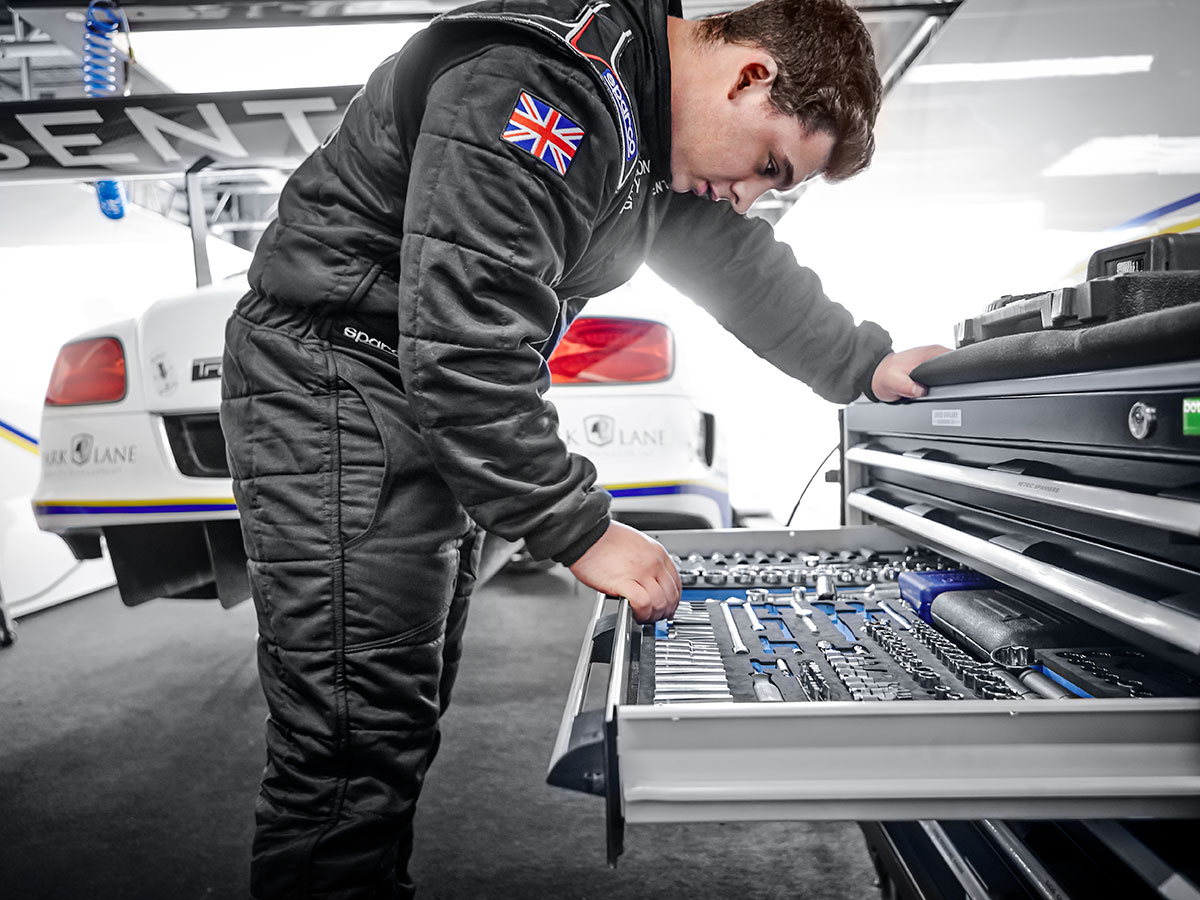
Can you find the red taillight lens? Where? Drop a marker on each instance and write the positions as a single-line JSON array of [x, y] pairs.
[[603, 350], [91, 371]]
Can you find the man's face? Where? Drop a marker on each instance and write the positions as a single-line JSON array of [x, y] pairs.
[[732, 144]]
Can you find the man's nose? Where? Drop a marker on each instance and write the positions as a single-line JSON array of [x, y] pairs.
[[746, 192]]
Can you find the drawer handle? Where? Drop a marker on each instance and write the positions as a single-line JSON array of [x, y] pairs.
[[1176, 628], [1179, 516]]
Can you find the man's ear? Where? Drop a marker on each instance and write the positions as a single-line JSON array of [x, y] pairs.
[[757, 72]]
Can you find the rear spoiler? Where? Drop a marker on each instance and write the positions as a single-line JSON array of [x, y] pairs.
[[161, 135]]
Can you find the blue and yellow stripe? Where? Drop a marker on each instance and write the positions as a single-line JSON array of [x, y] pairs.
[[222, 504], [133, 507], [668, 488], [1146, 219], [15, 435]]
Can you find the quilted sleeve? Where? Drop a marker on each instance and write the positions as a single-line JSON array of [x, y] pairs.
[[751, 283]]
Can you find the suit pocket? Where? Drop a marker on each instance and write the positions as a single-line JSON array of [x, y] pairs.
[[363, 470]]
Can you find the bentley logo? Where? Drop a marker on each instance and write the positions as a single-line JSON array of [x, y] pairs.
[[81, 448], [599, 429], [163, 374]]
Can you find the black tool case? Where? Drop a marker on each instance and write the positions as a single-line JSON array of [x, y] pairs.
[[1123, 282], [1073, 500]]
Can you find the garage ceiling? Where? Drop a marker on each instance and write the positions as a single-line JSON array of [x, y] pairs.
[[45, 36], [41, 50]]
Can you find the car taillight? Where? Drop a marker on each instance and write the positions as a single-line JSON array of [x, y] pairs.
[[89, 371], [607, 350]]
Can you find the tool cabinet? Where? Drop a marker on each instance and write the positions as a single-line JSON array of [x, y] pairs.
[[1056, 690]]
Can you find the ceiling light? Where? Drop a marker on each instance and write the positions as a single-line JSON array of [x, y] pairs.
[[207, 61], [1023, 69], [1134, 154]]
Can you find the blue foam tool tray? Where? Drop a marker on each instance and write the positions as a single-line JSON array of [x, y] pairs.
[[919, 588]]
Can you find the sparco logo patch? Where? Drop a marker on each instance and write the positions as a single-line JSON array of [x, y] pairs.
[[629, 133], [361, 337]]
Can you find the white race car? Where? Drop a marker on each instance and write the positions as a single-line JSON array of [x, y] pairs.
[[132, 450]]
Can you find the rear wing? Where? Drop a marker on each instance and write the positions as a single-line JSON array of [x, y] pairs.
[[168, 134]]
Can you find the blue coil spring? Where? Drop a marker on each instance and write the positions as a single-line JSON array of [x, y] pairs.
[[102, 22]]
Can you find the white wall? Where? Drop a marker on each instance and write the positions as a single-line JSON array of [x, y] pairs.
[[65, 268], [978, 189]]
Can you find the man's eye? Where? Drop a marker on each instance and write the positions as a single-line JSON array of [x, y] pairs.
[[771, 169]]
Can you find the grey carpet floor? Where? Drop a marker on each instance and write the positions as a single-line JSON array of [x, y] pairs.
[[131, 746]]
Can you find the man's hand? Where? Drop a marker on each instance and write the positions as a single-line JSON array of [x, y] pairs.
[[891, 382], [628, 564]]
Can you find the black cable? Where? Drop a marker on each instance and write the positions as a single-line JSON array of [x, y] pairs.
[[808, 484], [52, 585]]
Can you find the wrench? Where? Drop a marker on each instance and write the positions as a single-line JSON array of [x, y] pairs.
[[682, 666], [738, 645], [754, 623], [680, 698], [804, 612], [713, 691], [899, 619]]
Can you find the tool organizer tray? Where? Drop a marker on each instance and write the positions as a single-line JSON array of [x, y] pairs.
[[862, 647], [923, 744]]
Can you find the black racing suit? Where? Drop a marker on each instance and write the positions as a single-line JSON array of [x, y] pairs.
[[384, 380]]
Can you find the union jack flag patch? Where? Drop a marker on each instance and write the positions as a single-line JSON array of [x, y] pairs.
[[543, 131]]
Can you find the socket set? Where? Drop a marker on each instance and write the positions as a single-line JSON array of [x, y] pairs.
[[864, 643], [772, 569]]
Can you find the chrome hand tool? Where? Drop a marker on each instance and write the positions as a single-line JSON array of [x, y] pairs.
[[685, 646], [717, 690], [688, 665], [750, 614], [683, 698], [738, 645], [745, 575], [765, 689], [804, 612], [826, 588], [699, 654], [812, 682], [894, 616], [687, 662], [783, 667], [1016, 660], [688, 653]]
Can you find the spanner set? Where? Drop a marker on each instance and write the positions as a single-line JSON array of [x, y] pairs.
[[867, 642]]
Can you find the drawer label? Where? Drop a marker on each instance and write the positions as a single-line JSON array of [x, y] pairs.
[[947, 418], [1191, 415]]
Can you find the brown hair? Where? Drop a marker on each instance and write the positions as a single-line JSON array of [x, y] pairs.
[[827, 77]]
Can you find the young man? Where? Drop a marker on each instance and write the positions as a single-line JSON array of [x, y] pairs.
[[384, 376]]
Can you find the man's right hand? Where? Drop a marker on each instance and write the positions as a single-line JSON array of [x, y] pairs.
[[626, 563]]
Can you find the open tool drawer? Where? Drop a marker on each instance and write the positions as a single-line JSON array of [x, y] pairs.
[[737, 759]]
